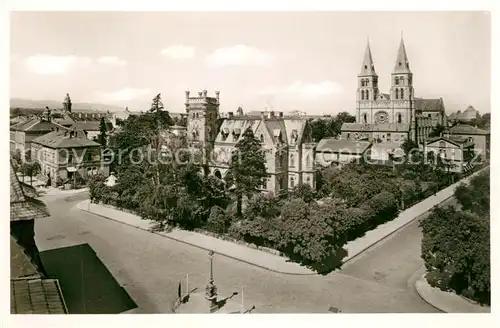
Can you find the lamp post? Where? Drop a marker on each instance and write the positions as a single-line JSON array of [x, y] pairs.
[[211, 290]]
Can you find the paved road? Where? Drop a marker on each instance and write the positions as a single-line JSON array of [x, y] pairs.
[[150, 266]]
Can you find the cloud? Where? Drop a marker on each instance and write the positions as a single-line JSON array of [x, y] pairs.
[[111, 60], [125, 94], [308, 90], [178, 52], [239, 55], [54, 65]]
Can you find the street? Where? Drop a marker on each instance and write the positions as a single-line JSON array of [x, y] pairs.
[[150, 268]]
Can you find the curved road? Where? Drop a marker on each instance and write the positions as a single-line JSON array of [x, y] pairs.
[[150, 267]]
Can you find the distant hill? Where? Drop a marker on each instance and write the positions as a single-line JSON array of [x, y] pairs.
[[52, 104]]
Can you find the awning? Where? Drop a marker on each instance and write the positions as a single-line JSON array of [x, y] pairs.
[[71, 169]]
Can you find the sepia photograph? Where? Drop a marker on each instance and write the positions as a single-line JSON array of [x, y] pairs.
[[250, 162]]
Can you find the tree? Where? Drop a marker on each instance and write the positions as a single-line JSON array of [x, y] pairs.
[[31, 169], [437, 131], [247, 168], [475, 197], [456, 251], [97, 188], [102, 133]]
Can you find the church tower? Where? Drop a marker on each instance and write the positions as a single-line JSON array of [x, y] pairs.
[[202, 114], [402, 93], [367, 88]]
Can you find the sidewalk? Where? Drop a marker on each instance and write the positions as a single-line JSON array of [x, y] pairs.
[[447, 301], [51, 191], [357, 246], [263, 259]]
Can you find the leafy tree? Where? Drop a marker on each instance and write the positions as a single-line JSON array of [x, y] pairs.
[[456, 251], [30, 167], [475, 197], [436, 132], [247, 168], [218, 221], [102, 133], [97, 188]]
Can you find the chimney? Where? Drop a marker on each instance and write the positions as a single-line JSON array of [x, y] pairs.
[[271, 114], [262, 114], [280, 114], [187, 95], [204, 93], [230, 114], [217, 93], [199, 94]]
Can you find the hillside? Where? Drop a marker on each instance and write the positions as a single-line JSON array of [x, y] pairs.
[[52, 104]]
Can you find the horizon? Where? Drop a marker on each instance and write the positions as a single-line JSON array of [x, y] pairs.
[[315, 71]]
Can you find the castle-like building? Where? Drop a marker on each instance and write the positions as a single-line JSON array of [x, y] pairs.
[[287, 141], [395, 116]]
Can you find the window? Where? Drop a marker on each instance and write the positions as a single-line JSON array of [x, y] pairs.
[[365, 118], [367, 95], [362, 94], [70, 156], [428, 115], [262, 138], [348, 135], [292, 160], [400, 118], [402, 94], [396, 80], [264, 183], [388, 136], [401, 79], [397, 93], [362, 82], [308, 180], [292, 182]]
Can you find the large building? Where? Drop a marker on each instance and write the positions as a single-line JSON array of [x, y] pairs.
[[287, 141], [22, 133], [393, 116]]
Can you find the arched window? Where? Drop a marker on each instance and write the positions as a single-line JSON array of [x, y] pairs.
[[400, 118], [362, 82], [367, 82], [365, 118], [402, 94], [292, 160], [362, 94], [292, 182], [367, 95], [397, 93], [396, 80]]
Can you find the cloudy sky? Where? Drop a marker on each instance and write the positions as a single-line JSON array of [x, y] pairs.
[[284, 61]]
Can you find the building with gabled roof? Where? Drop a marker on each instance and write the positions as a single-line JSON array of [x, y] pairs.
[[455, 151], [22, 133], [481, 137], [402, 114], [67, 156]]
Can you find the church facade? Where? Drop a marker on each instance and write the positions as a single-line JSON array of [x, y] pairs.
[[287, 141], [394, 116]]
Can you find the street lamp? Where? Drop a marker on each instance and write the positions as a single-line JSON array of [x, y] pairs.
[[211, 289]]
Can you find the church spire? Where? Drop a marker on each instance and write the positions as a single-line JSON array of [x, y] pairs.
[[367, 68], [402, 63]]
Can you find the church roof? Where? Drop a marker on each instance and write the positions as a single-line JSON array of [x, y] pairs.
[[381, 127], [368, 68], [343, 145], [402, 65], [429, 105]]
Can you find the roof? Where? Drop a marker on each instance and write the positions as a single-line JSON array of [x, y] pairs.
[[92, 125], [20, 263], [385, 96], [429, 105], [36, 296], [23, 207], [35, 124], [61, 139], [386, 146], [368, 68], [402, 65], [347, 145], [470, 109], [466, 129], [456, 140], [385, 127]]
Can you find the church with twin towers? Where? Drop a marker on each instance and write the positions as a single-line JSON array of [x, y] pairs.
[[395, 116]]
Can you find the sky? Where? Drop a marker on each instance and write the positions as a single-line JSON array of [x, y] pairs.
[[277, 61]]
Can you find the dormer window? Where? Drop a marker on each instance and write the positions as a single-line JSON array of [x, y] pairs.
[[236, 134], [277, 135], [225, 133], [295, 136]]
